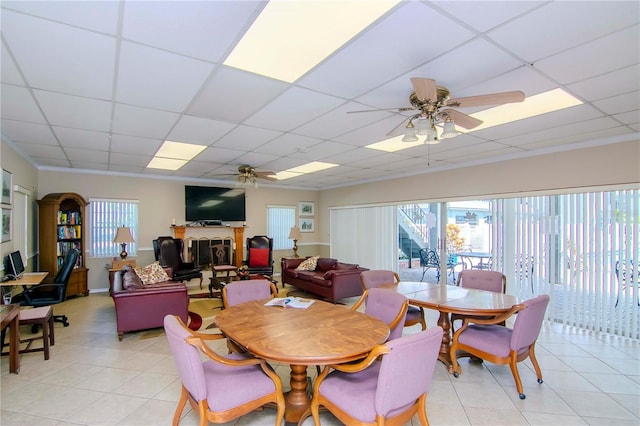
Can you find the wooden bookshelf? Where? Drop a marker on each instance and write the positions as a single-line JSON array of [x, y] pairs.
[[61, 227]]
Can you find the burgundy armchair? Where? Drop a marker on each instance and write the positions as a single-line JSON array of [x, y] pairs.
[[260, 255]]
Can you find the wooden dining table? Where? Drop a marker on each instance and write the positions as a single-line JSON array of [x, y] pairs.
[[323, 333], [9, 317], [451, 299]]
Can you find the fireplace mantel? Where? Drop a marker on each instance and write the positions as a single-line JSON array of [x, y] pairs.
[[196, 232]]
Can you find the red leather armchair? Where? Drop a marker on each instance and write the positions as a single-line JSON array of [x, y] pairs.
[[260, 255]]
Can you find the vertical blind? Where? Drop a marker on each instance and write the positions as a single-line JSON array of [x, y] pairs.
[[280, 220], [365, 235], [107, 215], [581, 249]]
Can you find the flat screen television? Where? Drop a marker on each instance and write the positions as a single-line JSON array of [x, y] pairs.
[[208, 203], [16, 267]]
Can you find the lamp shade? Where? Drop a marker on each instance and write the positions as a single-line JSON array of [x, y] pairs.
[[449, 129], [295, 234], [123, 235]]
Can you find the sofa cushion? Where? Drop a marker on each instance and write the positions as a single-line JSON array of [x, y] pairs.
[[308, 264], [326, 264], [259, 257], [130, 280], [318, 280], [305, 275], [152, 274], [346, 266]]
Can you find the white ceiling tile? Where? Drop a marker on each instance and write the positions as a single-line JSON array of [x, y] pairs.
[[74, 111], [622, 103], [256, 159], [134, 145], [51, 162], [323, 150], [359, 66], [43, 151], [215, 155], [8, 71], [287, 144], [631, 117], [484, 15], [149, 123], [129, 159], [233, 95], [78, 62], [77, 155], [578, 63], [76, 138], [100, 16], [170, 80], [607, 85], [18, 104], [92, 165], [20, 131], [561, 25], [293, 108], [246, 137], [200, 131], [201, 29]]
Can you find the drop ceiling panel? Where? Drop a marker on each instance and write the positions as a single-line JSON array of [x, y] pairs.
[[138, 161], [578, 63], [358, 67], [8, 71], [18, 104], [200, 29], [142, 122], [246, 138], [293, 108], [74, 111], [200, 131], [484, 15], [288, 144], [179, 77], [622, 103], [65, 51], [43, 151], [78, 155], [218, 155], [233, 95], [20, 131], [99, 16], [561, 25], [607, 85], [123, 144], [340, 121], [75, 138]]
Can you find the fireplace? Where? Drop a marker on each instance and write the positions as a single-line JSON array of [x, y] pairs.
[[199, 251]]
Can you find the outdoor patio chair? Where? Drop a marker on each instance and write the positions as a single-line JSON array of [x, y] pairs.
[[627, 276], [429, 259]]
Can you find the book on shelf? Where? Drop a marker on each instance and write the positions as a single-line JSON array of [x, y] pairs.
[[290, 302]]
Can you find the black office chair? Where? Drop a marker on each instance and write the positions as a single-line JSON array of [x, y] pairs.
[[51, 293]]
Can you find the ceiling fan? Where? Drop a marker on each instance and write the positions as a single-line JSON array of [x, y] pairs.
[[435, 107], [248, 175]]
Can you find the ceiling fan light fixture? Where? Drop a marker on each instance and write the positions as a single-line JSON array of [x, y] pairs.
[[449, 129], [422, 128], [410, 133], [432, 136]]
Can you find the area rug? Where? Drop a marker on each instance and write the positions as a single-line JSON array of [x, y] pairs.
[[202, 312]]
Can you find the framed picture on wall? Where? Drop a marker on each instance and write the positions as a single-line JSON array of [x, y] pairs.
[[307, 208], [307, 225], [6, 187], [6, 224]]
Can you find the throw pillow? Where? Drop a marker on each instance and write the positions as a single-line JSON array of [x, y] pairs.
[[152, 274], [308, 264], [259, 257], [130, 280]]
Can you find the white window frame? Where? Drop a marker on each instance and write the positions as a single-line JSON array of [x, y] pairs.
[[280, 220], [106, 215]]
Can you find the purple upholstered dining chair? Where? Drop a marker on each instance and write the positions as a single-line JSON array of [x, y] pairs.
[[222, 387], [479, 279], [380, 277], [388, 387], [487, 339], [245, 290], [387, 306]]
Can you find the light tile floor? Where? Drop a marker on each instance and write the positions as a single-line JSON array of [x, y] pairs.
[[93, 379]]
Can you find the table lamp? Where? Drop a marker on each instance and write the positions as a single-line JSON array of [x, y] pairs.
[[123, 236], [295, 235]]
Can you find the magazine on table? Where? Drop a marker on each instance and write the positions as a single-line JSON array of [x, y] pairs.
[[293, 302]]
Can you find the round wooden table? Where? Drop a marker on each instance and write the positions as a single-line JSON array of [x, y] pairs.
[[450, 299], [321, 334]]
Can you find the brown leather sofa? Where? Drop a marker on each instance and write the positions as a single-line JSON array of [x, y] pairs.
[[331, 280], [145, 306]]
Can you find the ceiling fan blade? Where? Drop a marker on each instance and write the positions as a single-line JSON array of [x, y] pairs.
[[399, 129], [266, 175], [491, 99], [425, 88], [402, 109], [460, 119]]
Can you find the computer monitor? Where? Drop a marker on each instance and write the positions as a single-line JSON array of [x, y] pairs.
[[15, 264]]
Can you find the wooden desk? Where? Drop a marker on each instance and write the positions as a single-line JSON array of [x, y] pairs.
[[27, 279], [322, 334], [448, 299], [9, 316]]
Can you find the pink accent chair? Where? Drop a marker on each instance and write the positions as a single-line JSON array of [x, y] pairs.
[[245, 290], [380, 277], [479, 279], [488, 340], [390, 386], [387, 306], [222, 387]]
